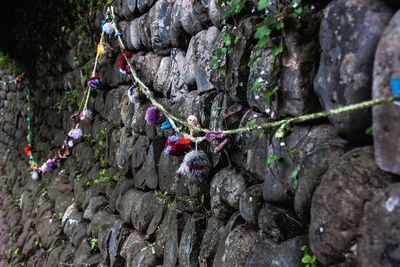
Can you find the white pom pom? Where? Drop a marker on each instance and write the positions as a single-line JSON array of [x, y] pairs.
[[35, 175], [195, 166]]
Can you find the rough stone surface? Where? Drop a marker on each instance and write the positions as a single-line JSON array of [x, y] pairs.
[[385, 128], [337, 204], [349, 35]]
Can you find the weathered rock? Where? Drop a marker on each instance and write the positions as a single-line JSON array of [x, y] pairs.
[[278, 224], [133, 244], [144, 5], [259, 252], [379, 229], [167, 167], [143, 211], [160, 29], [314, 165], [179, 38], [349, 34], [226, 188], [139, 151], [189, 246], [385, 117], [126, 203], [167, 238], [251, 202], [162, 81], [299, 66], [194, 16], [287, 254], [263, 71], [287, 155], [234, 246], [209, 244], [124, 151], [337, 205]]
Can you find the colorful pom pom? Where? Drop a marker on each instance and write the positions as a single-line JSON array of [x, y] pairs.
[[75, 133], [395, 85], [177, 145], [218, 140], [100, 49], [94, 83], [86, 115], [35, 175], [124, 67], [44, 168], [192, 120], [70, 143], [135, 97], [51, 163], [108, 28], [154, 116], [195, 166], [166, 124], [27, 150]]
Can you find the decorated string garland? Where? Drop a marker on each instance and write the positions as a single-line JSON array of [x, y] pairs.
[[195, 165]]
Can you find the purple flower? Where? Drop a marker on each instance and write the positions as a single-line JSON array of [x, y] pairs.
[[154, 116]]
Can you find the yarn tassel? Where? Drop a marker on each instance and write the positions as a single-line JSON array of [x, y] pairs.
[[195, 165]]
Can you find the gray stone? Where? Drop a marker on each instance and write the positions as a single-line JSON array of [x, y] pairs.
[[251, 202], [100, 221], [299, 66], [133, 244], [226, 188], [349, 34], [314, 165], [179, 38], [139, 151], [124, 152], [277, 223], [126, 202], [147, 66], [194, 16], [287, 254], [160, 29], [209, 244], [144, 5], [385, 117], [167, 167], [265, 71], [234, 246], [338, 202], [290, 153], [162, 81], [259, 252], [379, 229], [189, 246], [135, 38], [143, 211]]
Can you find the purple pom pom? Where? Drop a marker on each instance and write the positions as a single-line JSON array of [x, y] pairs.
[[154, 116], [75, 133]]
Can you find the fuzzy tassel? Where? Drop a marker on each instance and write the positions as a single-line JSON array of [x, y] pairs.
[[195, 166], [44, 168], [166, 124], [94, 83], [51, 163], [70, 143], [108, 28], [35, 175], [86, 115], [63, 153], [75, 133], [135, 97], [124, 67], [177, 145], [218, 140], [75, 118], [27, 150], [154, 116]]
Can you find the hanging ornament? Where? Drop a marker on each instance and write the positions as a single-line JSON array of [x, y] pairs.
[[86, 115], [166, 124], [44, 168], [195, 166], [94, 83], [70, 143], [101, 49], [27, 150], [177, 145], [218, 140], [395, 85], [192, 120], [63, 153], [108, 28], [51, 163], [124, 67], [35, 175], [75, 133], [154, 116], [135, 97]]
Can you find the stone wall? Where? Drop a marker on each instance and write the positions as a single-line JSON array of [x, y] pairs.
[[118, 200]]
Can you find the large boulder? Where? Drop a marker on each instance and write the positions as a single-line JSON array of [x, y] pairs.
[[349, 34], [386, 117], [337, 204]]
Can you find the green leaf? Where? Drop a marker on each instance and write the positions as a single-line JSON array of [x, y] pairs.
[[272, 158], [262, 31], [236, 40], [276, 49], [369, 130], [306, 259], [252, 123], [256, 84], [294, 173], [262, 4], [279, 25], [313, 259], [303, 248]]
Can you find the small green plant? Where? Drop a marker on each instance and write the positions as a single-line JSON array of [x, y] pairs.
[[308, 260], [293, 176], [103, 178], [38, 242], [69, 100], [369, 130], [60, 215], [94, 243]]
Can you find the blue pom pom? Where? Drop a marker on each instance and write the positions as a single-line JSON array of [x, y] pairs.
[[166, 124], [395, 84]]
